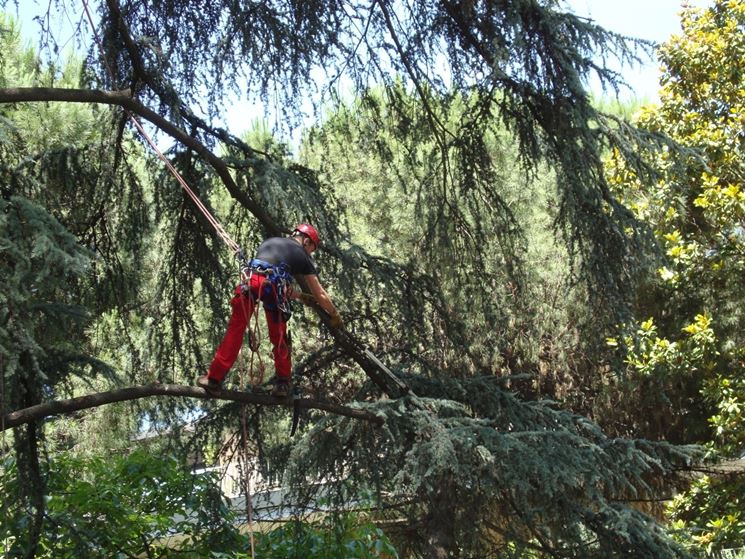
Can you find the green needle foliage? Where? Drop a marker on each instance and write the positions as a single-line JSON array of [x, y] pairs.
[[40, 258], [473, 470], [467, 466]]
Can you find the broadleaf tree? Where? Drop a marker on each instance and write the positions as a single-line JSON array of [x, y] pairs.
[[686, 346]]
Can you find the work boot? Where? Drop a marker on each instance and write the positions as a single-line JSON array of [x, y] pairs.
[[282, 388], [209, 384]]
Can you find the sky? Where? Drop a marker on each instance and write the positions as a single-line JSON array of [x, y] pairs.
[[654, 20]]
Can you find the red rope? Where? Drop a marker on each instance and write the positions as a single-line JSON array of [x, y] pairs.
[[224, 236], [232, 245]]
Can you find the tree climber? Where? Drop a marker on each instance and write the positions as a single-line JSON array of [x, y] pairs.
[[267, 278]]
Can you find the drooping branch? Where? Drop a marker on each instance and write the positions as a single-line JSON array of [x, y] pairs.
[[57, 407]]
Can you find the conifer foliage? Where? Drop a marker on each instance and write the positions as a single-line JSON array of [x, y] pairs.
[[475, 470], [469, 466]]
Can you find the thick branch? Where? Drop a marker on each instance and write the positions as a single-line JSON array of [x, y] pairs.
[[56, 407]]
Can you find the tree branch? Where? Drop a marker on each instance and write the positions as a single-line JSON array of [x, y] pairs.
[[126, 101], [56, 407]]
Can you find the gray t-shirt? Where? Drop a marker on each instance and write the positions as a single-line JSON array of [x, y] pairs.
[[276, 250]]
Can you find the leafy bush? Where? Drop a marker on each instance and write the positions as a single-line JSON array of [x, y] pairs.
[[333, 537], [131, 506]]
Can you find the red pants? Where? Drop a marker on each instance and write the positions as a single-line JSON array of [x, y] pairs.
[[243, 309]]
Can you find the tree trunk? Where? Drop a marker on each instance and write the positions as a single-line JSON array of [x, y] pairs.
[[440, 539]]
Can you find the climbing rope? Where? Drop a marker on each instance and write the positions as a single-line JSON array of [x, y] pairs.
[[247, 474], [224, 236], [255, 376], [247, 482]]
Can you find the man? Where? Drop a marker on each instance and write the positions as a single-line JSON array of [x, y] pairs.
[[278, 261]]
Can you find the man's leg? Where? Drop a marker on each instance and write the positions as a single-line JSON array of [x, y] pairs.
[[280, 350], [227, 351]]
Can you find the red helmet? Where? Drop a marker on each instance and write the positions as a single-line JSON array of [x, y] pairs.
[[310, 231]]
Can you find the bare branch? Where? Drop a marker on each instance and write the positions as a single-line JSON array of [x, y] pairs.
[[56, 407]]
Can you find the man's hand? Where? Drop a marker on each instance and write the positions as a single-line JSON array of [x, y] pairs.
[[306, 298], [335, 320]]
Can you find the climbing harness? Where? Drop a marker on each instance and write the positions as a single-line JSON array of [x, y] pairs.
[[274, 292]]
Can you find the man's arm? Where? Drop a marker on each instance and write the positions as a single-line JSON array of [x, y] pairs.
[[322, 298]]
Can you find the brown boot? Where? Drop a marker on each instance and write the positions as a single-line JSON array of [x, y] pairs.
[[209, 384], [282, 388]]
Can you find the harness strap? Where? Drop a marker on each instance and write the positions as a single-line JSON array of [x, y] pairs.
[[275, 286], [279, 271]]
